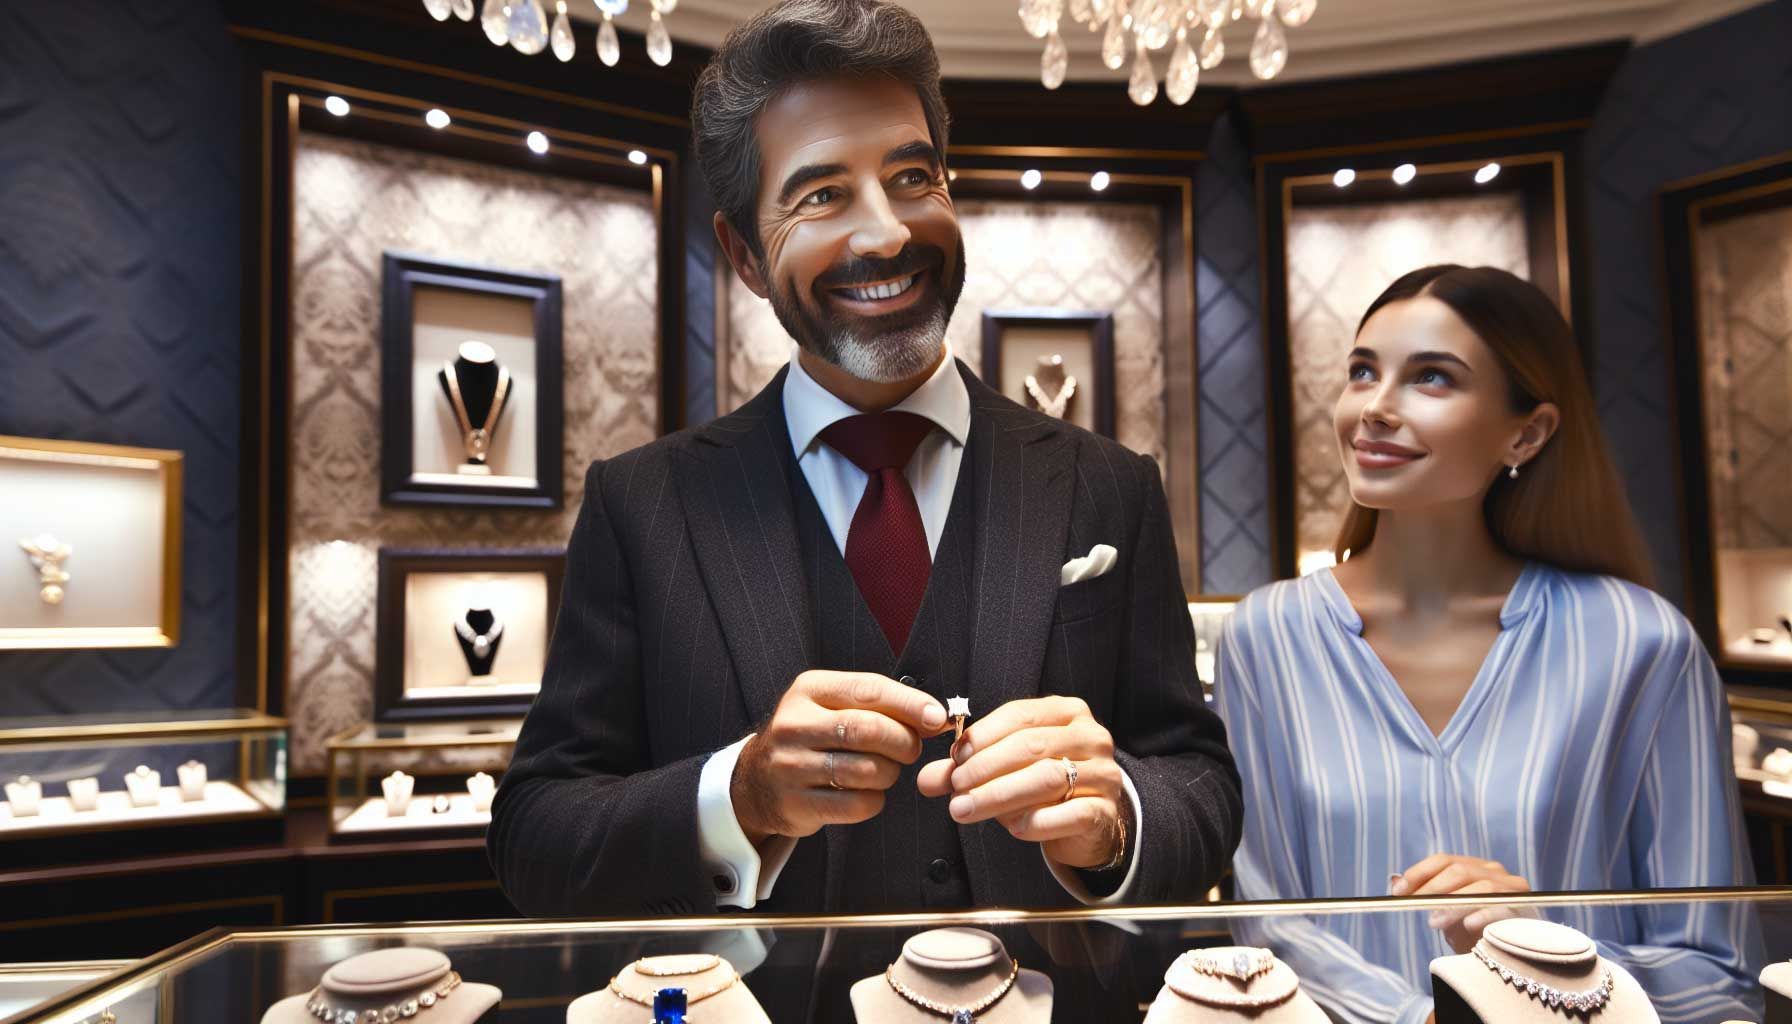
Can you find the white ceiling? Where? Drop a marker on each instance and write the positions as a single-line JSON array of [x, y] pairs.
[[984, 38]]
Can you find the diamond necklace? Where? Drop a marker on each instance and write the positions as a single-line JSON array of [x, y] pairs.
[[689, 1000], [482, 642], [956, 1014], [476, 440], [320, 1007], [1588, 1001], [1055, 405]]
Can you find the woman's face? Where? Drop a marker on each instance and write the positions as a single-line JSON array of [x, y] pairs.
[[1425, 418]]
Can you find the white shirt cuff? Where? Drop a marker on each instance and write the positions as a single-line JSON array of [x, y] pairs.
[[741, 874], [1073, 882]]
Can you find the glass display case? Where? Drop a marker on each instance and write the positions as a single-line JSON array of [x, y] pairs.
[[387, 780], [1104, 965], [23, 986], [164, 777]]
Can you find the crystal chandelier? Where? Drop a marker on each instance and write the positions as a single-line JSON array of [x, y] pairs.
[[1152, 24], [523, 24]]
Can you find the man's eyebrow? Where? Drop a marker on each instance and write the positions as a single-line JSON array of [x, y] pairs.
[[804, 175], [916, 150]]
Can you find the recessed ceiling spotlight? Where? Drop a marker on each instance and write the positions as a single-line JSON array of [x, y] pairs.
[[637, 157], [538, 142], [1099, 181], [436, 118], [1405, 173], [1487, 174], [336, 105], [1344, 177], [1031, 178]]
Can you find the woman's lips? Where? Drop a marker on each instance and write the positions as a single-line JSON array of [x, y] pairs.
[[1384, 454]]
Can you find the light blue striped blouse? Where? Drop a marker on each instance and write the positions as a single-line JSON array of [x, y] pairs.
[[1592, 751]]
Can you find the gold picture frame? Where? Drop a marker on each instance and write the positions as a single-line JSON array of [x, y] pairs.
[[24, 626]]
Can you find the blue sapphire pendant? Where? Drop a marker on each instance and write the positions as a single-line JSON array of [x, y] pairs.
[[963, 1017], [669, 1006]]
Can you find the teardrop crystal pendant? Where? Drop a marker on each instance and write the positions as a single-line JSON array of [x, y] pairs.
[[1143, 86], [1152, 21], [609, 48], [1082, 11], [1257, 8], [463, 9], [528, 27], [1184, 72], [561, 36], [1054, 62], [665, 6], [1098, 13], [1269, 51], [1040, 17], [494, 17], [1296, 13], [659, 41], [1213, 50], [612, 8], [439, 9], [1113, 45]]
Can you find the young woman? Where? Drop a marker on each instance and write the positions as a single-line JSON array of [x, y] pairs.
[[1482, 697]]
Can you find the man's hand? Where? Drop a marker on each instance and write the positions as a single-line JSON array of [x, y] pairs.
[[1449, 874], [869, 725], [1010, 768]]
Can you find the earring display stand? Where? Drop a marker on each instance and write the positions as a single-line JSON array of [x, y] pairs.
[[953, 967]]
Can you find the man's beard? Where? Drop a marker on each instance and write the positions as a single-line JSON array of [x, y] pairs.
[[881, 349]]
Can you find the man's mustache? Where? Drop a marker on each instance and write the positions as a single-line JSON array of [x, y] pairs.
[[864, 270]]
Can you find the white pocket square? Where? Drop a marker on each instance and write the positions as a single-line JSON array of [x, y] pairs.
[[1099, 560]]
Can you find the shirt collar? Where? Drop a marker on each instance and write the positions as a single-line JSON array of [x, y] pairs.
[[810, 408]]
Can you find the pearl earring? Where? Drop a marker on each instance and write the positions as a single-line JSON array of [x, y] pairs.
[[1513, 472]]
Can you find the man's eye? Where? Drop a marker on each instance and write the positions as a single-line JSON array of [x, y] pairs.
[[914, 178], [821, 196]]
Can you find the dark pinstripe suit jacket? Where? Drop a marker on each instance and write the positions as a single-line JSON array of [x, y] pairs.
[[685, 615]]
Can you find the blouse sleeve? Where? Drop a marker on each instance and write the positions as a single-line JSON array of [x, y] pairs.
[[1696, 960], [1267, 865]]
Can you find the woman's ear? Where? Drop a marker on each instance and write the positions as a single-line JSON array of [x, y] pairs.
[[740, 256], [1538, 428]]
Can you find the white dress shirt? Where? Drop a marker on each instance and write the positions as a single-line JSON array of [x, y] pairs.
[[743, 874]]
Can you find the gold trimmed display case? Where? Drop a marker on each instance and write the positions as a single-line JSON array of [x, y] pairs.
[[413, 780], [1102, 964], [147, 783]]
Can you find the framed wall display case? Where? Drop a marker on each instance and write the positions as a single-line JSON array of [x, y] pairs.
[[1727, 255], [431, 778], [162, 780], [471, 405], [1060, 362], [96, 536], [463, 632]]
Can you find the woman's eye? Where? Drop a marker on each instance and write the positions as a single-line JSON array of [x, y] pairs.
[[1434, 378], [821, 196], [1361, 372]]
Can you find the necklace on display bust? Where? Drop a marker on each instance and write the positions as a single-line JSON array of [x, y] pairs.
[[482, 642], [966, 1014], [476, 440], [669, 1005], [1053, 405], [1242, 967], [1588, 1001], [319, 1006]]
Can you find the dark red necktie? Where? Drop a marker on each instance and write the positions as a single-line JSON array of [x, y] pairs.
[[886, 548]]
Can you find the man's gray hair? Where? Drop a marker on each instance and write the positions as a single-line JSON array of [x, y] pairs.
[[788, 43]]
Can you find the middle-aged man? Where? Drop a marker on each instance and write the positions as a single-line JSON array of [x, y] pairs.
[[745, 704]]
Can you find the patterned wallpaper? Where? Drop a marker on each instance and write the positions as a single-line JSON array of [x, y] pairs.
[[353, 201], [1339, 259], [120, 179], [1745, 310], [1060, 255]]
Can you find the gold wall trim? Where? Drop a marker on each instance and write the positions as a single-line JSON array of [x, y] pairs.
[[331, 896], [1735, 170], [258, 723], [1073, 152], [277, 902], [366, 56], [1424, 141]]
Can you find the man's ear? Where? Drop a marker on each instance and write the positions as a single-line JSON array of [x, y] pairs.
[[740, 257]]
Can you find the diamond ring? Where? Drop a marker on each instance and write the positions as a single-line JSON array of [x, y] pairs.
[[1070, 776]]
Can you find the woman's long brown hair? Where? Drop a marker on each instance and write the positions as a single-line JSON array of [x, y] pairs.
[[1567, 507]]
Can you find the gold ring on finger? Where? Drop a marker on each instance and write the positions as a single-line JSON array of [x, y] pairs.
[[1070, 776], [830, 762]]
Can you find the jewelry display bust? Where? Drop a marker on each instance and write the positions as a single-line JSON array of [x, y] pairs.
[[1776, 984], [1232, 983], [953, 976], [144, 785], [712, 991], [24, 796], [1529, 970], [84, 794], [477, 389], [1050, 389], [397, 789], [479, 632], [414, 984]]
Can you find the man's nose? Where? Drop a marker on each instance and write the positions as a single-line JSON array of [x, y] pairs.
[[878, 231]]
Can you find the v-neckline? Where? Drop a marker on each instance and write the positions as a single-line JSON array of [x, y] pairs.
[[1512, 611]]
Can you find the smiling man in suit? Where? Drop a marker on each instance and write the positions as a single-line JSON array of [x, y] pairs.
[[764, 618]]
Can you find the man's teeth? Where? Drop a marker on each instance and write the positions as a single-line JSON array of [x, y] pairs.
[[883, 291]]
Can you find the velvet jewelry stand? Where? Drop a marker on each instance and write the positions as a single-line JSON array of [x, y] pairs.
[[732, 1005], [1172, 1007], [1776, 981], [957, 967], [387, 977], [1467, 992]]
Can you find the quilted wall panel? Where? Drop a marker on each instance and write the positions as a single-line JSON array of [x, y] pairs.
[[119, 300]]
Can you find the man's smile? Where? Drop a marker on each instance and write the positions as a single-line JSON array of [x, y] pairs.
[[879, 297]]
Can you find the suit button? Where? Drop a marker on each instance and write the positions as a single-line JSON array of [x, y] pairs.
[[939, 870], [909, 681]]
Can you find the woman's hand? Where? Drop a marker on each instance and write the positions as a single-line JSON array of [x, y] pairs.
[[1449, 874]]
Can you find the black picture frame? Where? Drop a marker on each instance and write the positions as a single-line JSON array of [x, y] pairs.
[[392, 703], [1099, 324], [1728, 192], [401, 274]]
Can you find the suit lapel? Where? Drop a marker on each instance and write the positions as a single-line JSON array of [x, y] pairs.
[[735, 484]]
